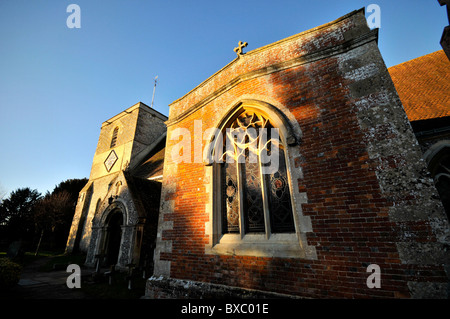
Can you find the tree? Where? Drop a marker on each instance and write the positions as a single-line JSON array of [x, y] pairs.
[[16, 214], [54, 212], [50, 214], [27, 215], [73, 188], [3, 193]]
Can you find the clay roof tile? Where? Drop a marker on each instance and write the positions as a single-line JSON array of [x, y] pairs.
[[423, 85]]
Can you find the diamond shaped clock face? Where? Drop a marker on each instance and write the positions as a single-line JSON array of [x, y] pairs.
[[110, 160]]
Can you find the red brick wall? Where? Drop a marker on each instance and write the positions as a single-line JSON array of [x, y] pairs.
[[348, 203]]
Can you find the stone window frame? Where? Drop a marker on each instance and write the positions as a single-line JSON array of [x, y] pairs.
[[283, 245]]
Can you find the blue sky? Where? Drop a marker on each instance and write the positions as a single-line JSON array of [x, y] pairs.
[[57, 85]]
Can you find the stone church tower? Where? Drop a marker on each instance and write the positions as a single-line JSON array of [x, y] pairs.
[[115, 214]]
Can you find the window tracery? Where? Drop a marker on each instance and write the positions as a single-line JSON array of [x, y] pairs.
[[255, 189]]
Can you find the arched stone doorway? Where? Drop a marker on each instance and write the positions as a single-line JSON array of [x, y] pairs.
[[111, 239], [119, 235], [114, 237]]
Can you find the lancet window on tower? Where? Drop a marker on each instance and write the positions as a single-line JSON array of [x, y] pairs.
[[114, 137], [255, 195]]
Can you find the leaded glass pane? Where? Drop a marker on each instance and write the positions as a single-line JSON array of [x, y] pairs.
[[230, 198], [281, 218], [253, 203]]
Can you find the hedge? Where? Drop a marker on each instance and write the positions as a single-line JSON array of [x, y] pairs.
[[9, 273]]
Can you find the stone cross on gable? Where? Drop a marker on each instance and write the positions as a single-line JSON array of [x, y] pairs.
[[238, 49]]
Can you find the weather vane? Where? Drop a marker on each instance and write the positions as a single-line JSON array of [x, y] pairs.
[[154, 88]]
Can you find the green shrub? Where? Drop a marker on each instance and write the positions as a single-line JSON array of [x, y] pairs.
[[9, 273]]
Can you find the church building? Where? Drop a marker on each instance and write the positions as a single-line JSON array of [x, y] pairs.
[[351, 194], [293, 171]]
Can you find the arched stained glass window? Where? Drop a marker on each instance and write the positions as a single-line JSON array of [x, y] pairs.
[[255, 194]]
